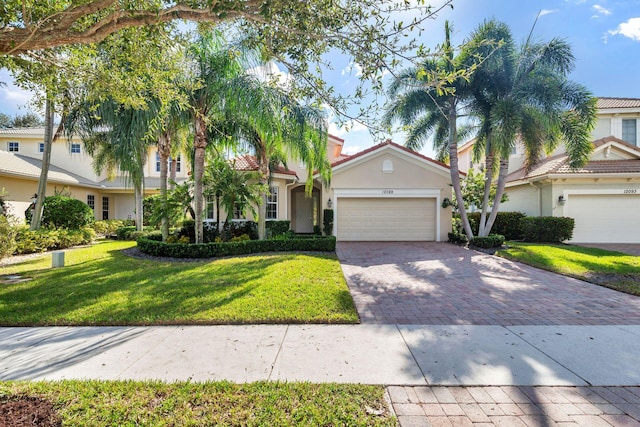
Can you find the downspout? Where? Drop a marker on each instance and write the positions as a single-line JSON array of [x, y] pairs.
[[286, 198]]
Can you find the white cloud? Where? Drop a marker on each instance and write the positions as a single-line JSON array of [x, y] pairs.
[[600, 11], [349, 69], [351, 149], [630, 29], [348, 127], [544, 12], [271, 72]]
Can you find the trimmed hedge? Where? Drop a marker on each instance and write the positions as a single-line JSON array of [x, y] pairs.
[[28, 242], [7, 237], [277, 228], [548, 229], [131, 232], [66, 212], [458, 238], [509, 224], [152, 246], [489, 242], [327, 222]]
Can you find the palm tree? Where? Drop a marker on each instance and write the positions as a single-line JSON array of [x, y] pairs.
[[215, 69], [430, 106], [524, 95], [275, 127], [117, 138]]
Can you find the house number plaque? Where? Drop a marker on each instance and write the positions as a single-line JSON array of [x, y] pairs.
[[387, 191]]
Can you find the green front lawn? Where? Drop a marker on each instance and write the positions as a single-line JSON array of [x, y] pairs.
[[101, 286], [129, 403], [611, 269]]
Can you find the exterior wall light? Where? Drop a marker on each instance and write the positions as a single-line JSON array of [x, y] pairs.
[[561, 199], [329, 203]]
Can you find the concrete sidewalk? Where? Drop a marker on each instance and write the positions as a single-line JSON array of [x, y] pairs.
[[373, 354]]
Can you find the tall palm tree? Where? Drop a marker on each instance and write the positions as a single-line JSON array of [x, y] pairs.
[[117, 137], [523, 94], [274, 127], [429, 99], [215, 71]]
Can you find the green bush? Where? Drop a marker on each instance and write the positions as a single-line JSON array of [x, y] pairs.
[[327, 222], [131, 232], [7, 237], [277, 228], [488, 242], [28, 242], [548, 229], [108, 227], [66, 212], [509, 224], [458, 238], [152, 246]]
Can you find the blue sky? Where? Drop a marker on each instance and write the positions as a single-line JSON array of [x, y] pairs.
[[604, 34]]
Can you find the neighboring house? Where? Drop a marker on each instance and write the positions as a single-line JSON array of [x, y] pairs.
[[386, 192], [603, 196], [71, 172]]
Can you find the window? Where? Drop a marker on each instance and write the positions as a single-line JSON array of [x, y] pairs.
[[105, 208], [91, 201], [238, 212], [41, 147], [178, 163], [629, 131], [272, 204], [13, 147], [75, 148], [210, 209], [157, 162]]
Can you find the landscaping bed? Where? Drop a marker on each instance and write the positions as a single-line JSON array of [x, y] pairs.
[[102, 286], [154, 403], [614, 270]]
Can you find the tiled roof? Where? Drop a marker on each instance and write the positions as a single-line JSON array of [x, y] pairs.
[[249, 163], [559, 164], [383, 144], [605, 103], [39, 130], [19, 165]]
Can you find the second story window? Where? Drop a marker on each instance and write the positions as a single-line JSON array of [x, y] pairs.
[[629, 131], [178, 163], [75, 148], [13, 147], [41, 147], [157, 162]]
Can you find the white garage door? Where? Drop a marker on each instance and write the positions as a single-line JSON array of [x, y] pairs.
[[375, 219], [610, 218]]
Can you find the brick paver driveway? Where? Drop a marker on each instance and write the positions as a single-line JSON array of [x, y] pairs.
[[444, 284]]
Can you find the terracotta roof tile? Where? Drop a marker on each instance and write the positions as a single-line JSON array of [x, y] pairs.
[[559, 164], [605, 103], [249, 163]]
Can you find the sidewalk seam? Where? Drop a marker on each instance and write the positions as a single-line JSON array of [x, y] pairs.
[[424, 377], [550, 357], [149, 328], [275, 360]]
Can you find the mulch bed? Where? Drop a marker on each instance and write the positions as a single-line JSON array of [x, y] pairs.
[[28, 411]]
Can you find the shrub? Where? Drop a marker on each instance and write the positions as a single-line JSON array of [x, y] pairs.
[[7, 237], [509, 224], [327, 222], [488, 242], [458, 238], [277, 228], [28, 242], [66, 212], [131, 232], [548, 229], [152, 246], [107, 227]]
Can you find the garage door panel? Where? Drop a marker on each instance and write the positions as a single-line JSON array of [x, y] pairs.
[[610, 218], [375, 219]]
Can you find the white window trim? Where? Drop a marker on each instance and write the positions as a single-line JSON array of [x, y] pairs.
[[277, 194], [71, 147], [10, 143]]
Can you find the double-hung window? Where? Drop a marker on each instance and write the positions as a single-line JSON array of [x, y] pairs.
[[272, 203], [629, 131]]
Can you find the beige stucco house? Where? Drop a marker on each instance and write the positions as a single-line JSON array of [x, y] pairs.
[[386, 192], [603, 196]]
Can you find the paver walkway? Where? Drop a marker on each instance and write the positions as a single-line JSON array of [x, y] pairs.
[[625, 248], [444, 284]]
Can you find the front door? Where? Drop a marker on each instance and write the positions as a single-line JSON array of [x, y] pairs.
[[304, 213]]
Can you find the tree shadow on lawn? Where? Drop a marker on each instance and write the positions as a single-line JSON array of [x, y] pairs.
[[121, 290]]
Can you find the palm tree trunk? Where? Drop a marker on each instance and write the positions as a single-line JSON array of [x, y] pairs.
[[164, 151], [502, 175], [200, 144], [488, 180], [172, 173], [264, 192], [46, 161], [138, 201], [454, 169]]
